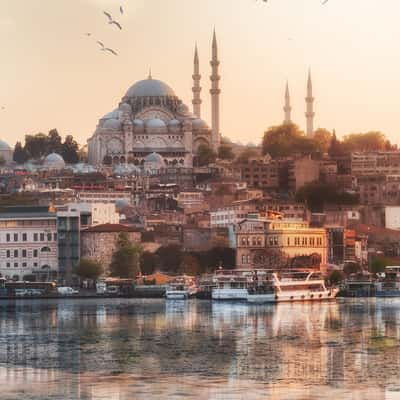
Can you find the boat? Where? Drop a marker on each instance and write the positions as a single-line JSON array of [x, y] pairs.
[[388, 284], [181, 288], [301, 286], [264, 286]]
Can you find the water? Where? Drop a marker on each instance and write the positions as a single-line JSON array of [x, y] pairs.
[[153, 349]]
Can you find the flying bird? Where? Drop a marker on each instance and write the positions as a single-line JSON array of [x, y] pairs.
[[121, 10], [110, 51], [88, 34], [108, 15], [101, 44], [116, 24], [324, 2]]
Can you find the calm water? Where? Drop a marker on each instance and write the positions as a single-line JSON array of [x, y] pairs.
[[152, 349]]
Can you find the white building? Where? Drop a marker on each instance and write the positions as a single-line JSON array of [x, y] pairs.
[[392, 217], [95, 213], [28, 243]]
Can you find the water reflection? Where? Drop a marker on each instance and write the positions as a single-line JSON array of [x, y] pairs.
[[155, 349]]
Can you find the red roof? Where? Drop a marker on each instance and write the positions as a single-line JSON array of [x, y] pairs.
[[110, 228]]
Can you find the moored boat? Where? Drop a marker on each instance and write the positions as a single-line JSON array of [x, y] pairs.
[[181, 288]]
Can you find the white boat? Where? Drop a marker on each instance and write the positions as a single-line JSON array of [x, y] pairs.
[[181, 288], [303, 286], [262, 286]]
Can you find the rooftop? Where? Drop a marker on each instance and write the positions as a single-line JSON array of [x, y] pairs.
[[110, 228]]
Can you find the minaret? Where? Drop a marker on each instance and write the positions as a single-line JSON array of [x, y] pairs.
[[215, 92], [287, 108], [196, 89], [310, 107]]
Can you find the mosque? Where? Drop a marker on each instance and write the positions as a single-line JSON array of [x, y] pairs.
[[153, 126]]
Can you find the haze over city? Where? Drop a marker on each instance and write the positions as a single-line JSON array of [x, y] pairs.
[[53, 76]]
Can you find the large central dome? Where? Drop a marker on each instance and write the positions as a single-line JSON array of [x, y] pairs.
[[150, 88]]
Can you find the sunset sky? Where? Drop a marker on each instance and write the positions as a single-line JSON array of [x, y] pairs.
[[53, 76]]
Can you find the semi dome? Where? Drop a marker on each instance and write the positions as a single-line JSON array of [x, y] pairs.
[[125, 107], [198, 123], [111, 115], [114, 124], [150, 88], [4, 146], [138, 125], [156, 125]]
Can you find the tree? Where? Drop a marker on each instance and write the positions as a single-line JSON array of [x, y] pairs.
[[205, 155], [36, 146], [352, 268], [125, 261], [322, 139], [286, 140], [378, 264], [69, 150], [53, 142], [369, 141], [246, 154], [149, 262], [20, 155], [335, 277], [170, 257], [225, 152], [89, 269], [190, 265]]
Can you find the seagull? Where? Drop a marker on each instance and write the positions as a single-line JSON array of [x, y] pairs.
[[121, 9], [324, 2], [88, 34], [111, 51], [108, 15], [116, 23], [101, 45], [3, 108]]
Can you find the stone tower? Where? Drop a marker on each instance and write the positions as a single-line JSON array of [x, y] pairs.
[[287, 108], [310, 107], [215, 94], [196, 89]]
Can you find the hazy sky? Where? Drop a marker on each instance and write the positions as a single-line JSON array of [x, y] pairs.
[[55, 76]]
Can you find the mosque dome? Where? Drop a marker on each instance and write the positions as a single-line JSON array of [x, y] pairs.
[[198, 124], [4, 146], [150, 88], [156, 125], [138, 125], [114, 124], [125, 107], [54, 161], [154, 158], [111, 115]]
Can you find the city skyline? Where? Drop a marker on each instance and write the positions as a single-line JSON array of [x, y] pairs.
[[54, 75]]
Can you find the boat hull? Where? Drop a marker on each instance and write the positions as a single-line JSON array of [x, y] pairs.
[[294, 296], [229, 294], [261, 298], [177, 294]]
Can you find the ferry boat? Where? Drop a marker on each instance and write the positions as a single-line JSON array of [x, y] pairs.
[[389, 283], [181, 288], [263, 286], [301, 286]]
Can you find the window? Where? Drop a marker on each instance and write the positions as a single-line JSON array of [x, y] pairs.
[[42, 237], [8, 236], [15, 237], [15, 253], [35, 264], [49, 237], [24, 237], [276, 241], [8, 253], [55, 237], [15, 265], [24, 253], [24, 264], [35, 253], [35, 237], [8, 265]]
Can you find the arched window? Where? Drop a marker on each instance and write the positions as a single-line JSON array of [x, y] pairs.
[[45, 249]]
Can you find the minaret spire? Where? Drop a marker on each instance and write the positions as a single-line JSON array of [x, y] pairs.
[[287, 108], [196, 89], [310, 107], [215, 94]]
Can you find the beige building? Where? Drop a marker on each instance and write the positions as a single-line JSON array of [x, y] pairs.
[[302, 171], [99, 242], [374, 163], [266, 243]]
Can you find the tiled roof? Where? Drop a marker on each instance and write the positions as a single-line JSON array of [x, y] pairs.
[[110, 228]]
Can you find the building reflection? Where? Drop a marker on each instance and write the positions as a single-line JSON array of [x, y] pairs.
[[119, 349]]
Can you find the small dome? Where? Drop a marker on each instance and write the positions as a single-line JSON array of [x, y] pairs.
[[54, 161], [199, 124], [154, 158], [125, 107], [155, 123], [174, 122], [4, 146], [138, 125], [114, 124], [111, 115], [150, 88]]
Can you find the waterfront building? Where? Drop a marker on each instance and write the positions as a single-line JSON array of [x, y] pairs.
[[279, 243], [99, 242], [28, 242], [153, 128]]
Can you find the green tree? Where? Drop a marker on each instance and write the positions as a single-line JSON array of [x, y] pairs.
[[225, 152], [125, 261], [335, 277], [286, 140], [53, 142], [20, 155], [89, 269], [170, 257], [379, 263], [69, 150], [352, 268], [369, 141], [36, 146], [246, 154], [205, 155], [190, 265], [149, 262]]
